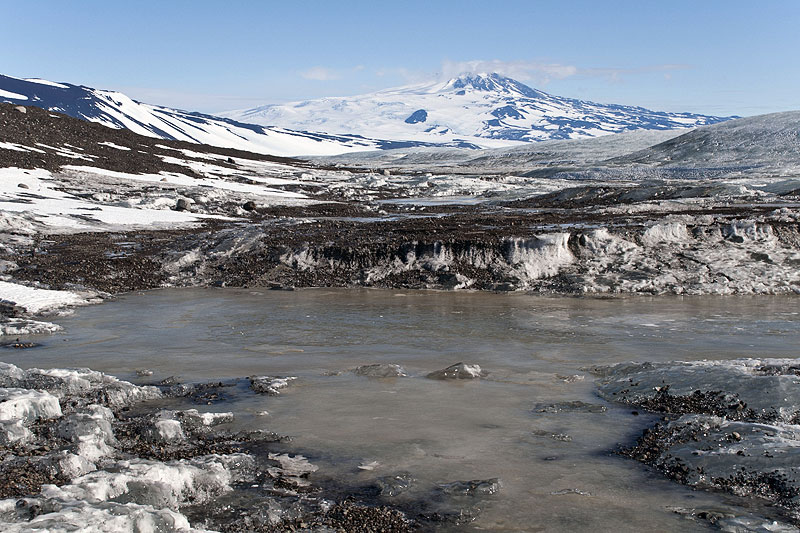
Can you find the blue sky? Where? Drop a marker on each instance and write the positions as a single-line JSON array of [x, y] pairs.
[[716, 57]]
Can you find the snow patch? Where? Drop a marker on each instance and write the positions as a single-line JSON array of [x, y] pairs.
[[13, 96], [24, 326], [47, 82], [112, 145], [27, 405], [35, 300], [665, 233]]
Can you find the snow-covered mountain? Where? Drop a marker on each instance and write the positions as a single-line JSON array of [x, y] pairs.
[[117, 110], [471, 111], [486, 106]]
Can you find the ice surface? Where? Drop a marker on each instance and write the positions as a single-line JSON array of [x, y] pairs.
[[522, 259], [458, 371], [271, 385], [101, 492], [167, 430], [35, 300], [90, 430], [291, 469], [770, 141], [136, 495], [665, 233], [193, 417], [768, 387], [717, 257], [515, 159], [27, 405], [103, 518], [737, 430], [23, 326], [474, 487], [744, 458], [379, 370], [76, 382], [13, 431]]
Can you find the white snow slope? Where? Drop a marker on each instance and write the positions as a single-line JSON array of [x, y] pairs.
[[472, 107], [116, 110]]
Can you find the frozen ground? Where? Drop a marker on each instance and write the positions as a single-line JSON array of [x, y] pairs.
[[84, 451]]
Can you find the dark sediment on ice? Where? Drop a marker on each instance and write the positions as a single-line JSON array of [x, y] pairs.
[[739, 439], [476, 251]]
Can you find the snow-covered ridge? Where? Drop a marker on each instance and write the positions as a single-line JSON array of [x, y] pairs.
[[482, 106], [117, 110]]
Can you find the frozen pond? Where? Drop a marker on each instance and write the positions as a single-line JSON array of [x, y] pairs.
[[556, 469]]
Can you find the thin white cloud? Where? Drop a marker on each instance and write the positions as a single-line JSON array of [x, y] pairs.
[[616, 74], [407, 75], [537, 71], [320, 74], [542, 72]]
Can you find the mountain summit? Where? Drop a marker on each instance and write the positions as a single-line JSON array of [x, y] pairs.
[[491, 83], [489, 106]]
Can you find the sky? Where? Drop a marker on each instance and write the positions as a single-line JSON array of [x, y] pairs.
[[723, 57]]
